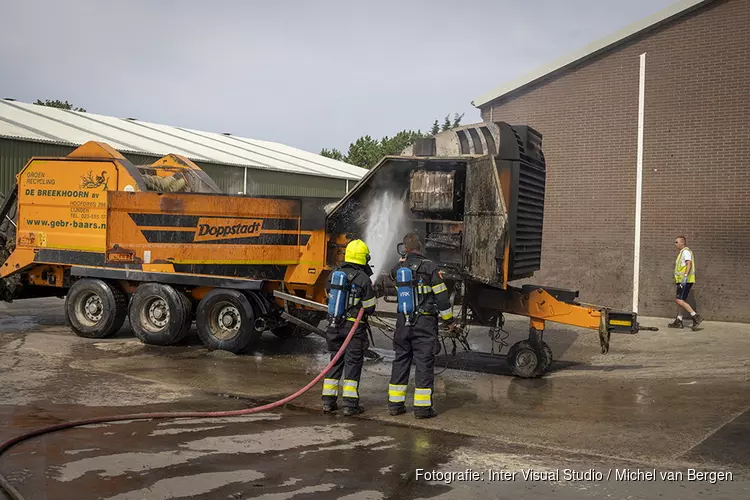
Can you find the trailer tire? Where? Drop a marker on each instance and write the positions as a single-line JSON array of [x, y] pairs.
[[94, 309], [526, 360], [159, 314], [226, 321]]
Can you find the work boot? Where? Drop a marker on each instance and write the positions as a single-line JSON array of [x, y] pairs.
[[330, 407], [350, 411], [677, 323], [419, 414], [697, 320], [396, 410]]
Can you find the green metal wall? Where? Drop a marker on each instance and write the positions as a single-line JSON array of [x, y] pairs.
[[269, 182], [15, 153], [229, 179]]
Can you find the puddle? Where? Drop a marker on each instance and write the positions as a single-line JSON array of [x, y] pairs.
[[17, 324], [188, 486]]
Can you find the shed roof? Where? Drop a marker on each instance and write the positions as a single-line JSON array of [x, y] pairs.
[[671, 13], [30, 122]]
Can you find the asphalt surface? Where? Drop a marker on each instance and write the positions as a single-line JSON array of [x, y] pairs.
[[597, 426]]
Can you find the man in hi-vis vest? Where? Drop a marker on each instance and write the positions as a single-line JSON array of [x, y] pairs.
[[684, 277]]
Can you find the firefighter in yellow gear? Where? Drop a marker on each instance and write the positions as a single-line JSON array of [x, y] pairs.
[[359, 294]]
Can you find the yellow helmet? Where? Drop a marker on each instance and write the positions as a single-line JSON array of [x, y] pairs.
[[357, 253]]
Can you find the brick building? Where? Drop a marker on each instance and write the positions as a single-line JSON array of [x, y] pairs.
[[695, 158]]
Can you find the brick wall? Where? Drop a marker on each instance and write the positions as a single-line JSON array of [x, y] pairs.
[[696, 165]]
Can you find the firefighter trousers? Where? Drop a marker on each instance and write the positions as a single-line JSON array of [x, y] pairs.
[[349, 365], [414, 343]]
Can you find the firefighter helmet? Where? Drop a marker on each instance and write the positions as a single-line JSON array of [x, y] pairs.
[[357, 253]]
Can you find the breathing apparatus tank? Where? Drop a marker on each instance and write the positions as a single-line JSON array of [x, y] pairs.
[[337, 300], [406, 295]]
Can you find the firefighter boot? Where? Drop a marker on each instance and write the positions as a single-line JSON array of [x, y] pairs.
[[350, 411], [421, 413], [330, 407], [396, 410]]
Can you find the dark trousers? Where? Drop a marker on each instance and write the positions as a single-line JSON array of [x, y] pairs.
[[349, 365], [414, 343]]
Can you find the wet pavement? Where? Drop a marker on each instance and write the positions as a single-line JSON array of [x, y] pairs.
[[665, 401]]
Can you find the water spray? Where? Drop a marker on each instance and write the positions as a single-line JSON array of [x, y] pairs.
[[385, 225]]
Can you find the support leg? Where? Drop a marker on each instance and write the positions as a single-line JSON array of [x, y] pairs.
[[536, 330]]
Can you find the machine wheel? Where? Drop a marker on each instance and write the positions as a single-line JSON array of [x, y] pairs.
[[94, 309], [526, 360], [226, 321], [159, 314], [546, 358]]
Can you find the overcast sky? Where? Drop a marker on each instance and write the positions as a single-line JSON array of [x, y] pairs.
[[310, 74]]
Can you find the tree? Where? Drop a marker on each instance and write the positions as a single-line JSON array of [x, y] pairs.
[[457, 119], [58, 104], [435, 128], [333, 153], [366, 152], [394, 145], [446, 124]]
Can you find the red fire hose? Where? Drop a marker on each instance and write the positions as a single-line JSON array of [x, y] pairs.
[[15, 495]]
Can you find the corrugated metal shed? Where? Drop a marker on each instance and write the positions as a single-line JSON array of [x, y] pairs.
[[674, 11], [265, 168]]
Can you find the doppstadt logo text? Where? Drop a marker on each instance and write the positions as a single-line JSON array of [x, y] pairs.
[[224, 229]]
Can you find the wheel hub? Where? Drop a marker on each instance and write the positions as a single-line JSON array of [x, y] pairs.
[[93, 308], [526, 360], [228, 321], [230, 318], [158, 313]]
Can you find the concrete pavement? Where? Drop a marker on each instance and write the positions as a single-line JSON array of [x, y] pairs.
[[668, 400]]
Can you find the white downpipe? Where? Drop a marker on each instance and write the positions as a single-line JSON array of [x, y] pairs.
[[347, 185], [244, 183], [639, 184]]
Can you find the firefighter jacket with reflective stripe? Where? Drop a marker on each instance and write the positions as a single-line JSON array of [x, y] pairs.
[[679, 271], [363, 294], [435, 299]]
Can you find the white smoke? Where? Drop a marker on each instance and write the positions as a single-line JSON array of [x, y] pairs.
[[387, 219]]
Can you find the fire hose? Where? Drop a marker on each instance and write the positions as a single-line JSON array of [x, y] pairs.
[[15, 495]]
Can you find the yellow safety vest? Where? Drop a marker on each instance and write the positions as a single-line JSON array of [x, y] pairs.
[[679, 271]]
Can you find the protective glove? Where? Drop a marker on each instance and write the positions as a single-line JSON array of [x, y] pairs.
[[684, 280]]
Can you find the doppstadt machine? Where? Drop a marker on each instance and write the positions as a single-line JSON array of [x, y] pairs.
[[161, 245]]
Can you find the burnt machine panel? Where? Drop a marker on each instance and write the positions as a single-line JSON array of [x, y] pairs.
[[485, 223]]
